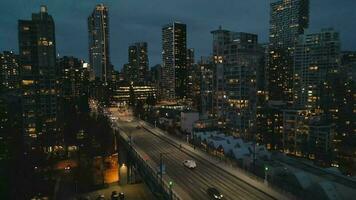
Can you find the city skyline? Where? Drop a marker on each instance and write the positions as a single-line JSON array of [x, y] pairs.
[[211, 110], [127, 27]]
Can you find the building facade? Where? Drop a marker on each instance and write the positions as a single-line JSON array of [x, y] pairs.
[[288, 19], [206, 89], [37, 49], [73, 77], [237, 56], [9, 70], [125, 94], [99, 51], [174, 60], [317, 57], [136, 71]]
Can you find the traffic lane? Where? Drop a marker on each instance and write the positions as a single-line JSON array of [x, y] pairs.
[[202, 176], [254, 192], [221, 182], [153, 151], [212, 175], [182, 175], [174, 168]]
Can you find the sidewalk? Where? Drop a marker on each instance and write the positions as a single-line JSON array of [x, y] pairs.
[[232, 170]]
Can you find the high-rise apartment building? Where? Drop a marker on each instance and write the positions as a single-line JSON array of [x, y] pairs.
[[193, 80], [317, 56], [174, 59], [37, 51], [9, 70], [73, 77], [136, 71], [99, 51], [206, 79], [237, 56], [190, 57], [288, 19]]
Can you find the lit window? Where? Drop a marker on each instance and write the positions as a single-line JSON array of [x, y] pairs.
[[27, 82]]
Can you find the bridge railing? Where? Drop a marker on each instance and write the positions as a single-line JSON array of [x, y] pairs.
[[148, 172]]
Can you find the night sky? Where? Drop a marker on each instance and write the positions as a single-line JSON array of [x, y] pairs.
[[141, 20]]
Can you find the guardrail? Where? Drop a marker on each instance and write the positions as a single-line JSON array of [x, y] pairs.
[[148, 171]]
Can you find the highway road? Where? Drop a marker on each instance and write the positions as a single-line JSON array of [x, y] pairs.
[[194, 182]]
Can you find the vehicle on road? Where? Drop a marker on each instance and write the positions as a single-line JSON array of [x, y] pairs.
[[122, 196], [101, 197], [68, 167], [138, 127], [114, 195], [214, 193], [191, 164]]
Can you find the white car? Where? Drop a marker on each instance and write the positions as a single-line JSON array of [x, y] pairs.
[[191, 164]]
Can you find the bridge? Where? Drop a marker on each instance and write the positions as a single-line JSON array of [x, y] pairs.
[[147, 148]]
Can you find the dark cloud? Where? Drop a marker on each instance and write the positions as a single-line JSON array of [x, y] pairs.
[[141, 20]]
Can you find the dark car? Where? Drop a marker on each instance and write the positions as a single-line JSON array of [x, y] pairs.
[[214, 193], [122, 196], [114, 195], [101, 197]]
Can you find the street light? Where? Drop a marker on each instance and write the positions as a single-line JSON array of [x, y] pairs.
[[266, 170], [170, 184]]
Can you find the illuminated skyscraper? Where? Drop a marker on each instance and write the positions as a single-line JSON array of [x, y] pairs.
[[174, 59], [136, 71], [73, 77], [316, 57], [9, 70], [206, 86], [193, 82], [190, 57], [37, 49], [99, 51], [237, 56], [288, 19]]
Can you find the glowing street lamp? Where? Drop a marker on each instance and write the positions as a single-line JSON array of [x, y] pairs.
[[266, 170]]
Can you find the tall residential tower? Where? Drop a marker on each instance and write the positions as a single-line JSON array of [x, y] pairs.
[[174, 57], [99, 51], [136, 71], [37, 49], [237, 57], [288, 19]]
